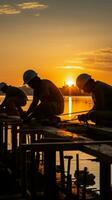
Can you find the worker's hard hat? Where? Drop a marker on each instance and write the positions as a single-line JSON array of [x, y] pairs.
[[82, 79], [2, 84], [29, 75]]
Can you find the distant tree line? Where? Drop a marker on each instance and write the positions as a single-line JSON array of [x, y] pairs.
[[72, 91], [66, 91]]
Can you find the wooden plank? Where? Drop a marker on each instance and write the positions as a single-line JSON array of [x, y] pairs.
[[48, 130], [95, 148], [90, 130], [104, 132]]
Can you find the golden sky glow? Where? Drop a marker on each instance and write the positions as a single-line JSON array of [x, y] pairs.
[[57, 38]]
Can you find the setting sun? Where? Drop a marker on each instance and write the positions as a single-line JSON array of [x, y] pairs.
[[69, 82]]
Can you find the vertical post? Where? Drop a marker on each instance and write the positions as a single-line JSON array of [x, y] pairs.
[[33, 171], [1, 138], [23, 169], [14, 138], [69, 181], [14, 147], [22, 136], [105, 180], [84, 184], [6, 139], [69, 161], [77, 170], [62, 168], [50, 173]]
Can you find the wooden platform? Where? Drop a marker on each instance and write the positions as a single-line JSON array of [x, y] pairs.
[[89, 130], [95, 141], [102, 132]]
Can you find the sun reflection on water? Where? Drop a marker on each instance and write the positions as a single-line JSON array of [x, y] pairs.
[[69, 106]]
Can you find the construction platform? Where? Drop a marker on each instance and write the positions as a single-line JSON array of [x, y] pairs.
[[29, 140]]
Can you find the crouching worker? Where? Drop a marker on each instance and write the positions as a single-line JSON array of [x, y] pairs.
[[101, 113], [47, 98], [14, 99]]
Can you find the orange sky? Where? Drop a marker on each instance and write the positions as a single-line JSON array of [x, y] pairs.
[[58, 39]]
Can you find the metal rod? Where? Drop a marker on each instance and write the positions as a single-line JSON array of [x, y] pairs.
[[74, 112], [77, 171], [84, 184]]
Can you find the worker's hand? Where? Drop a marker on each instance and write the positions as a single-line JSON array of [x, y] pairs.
[[24, 115], [83, 117], [27, 118]]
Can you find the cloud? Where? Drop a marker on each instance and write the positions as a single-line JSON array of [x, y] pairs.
[[96, 60], [70, 67], [11, 9], [106, 51], [8, 10], [32, 5]]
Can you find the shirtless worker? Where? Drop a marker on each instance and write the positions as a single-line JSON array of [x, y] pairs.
[[14, 99], [101, 113], [47, 98]]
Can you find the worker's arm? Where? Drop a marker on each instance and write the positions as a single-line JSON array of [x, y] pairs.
[[99, 104], [33, 104], [83, 117]]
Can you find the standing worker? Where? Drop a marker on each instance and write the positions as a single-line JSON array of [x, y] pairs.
[[47, 98], [14, 99], [101, 113]]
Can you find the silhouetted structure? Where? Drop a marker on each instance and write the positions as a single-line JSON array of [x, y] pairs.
[[72, 91], [66, 91]]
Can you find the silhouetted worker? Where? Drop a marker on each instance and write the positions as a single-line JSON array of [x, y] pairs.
[[14, 99], [47, 98], [101, 113]]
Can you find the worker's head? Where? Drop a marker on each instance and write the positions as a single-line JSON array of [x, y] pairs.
[[85, 82], [3, 86], [30, 77]]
